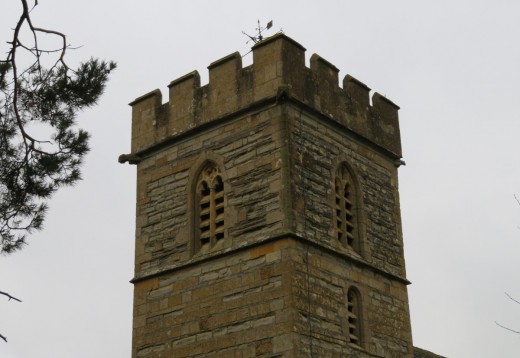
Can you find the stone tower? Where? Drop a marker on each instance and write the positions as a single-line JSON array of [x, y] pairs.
[[268, 220]]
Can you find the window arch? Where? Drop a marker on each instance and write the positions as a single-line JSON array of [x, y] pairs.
[[210, 202], [346, 209], [354, 317]]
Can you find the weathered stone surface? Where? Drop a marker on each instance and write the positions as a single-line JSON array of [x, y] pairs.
[[276, 283], [317, 146]]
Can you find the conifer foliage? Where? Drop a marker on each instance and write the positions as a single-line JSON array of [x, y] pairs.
[[41, 148]]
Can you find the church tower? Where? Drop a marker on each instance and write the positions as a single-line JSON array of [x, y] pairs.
[[268, 220]]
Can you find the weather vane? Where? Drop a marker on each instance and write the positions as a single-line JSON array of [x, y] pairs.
[[259, 37]]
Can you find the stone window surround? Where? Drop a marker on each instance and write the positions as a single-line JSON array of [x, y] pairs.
[[205, 160]]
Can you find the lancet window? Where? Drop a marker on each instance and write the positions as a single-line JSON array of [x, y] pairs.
[[354, 316], [210, 199], [345, 210]]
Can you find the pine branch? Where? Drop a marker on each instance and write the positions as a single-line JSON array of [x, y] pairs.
[[34, 168]]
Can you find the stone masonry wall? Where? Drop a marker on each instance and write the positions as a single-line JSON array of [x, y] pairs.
[[260, 300], [268, 302], [325, 269], [233, 306], [320, 285], [248, 151], [317, 148]]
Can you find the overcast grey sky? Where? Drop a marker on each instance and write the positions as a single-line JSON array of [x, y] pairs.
[[452, 67]]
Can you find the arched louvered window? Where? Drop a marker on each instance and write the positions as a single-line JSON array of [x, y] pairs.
[[354, 316], [345, 209], [210, 198]]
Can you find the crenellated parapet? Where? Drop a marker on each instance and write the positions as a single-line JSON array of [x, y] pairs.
[[278, 66]]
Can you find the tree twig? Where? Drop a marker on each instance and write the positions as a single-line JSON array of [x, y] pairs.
[[514, 300], [504, 327], [511, 298], [9, 296]]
